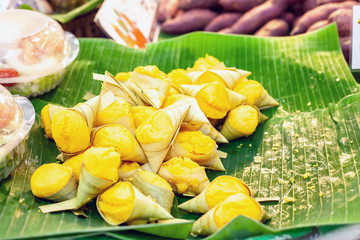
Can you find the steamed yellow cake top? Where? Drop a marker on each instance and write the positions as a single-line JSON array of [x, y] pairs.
[[49, 179], [156, 129], [70, 131], [102, 163], [213, 99]]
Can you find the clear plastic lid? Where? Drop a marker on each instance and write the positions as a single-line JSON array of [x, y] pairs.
[[17, 116], [32, 45]]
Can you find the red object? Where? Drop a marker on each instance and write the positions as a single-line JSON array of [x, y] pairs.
[[8, 73]]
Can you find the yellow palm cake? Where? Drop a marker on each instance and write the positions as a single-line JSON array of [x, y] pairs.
[[70, 131], [53, 182], [117, 112], [198, 147], [241, 122], [224, 212], [255, 94], [75, 163], [121, 139], [126, 169], [156, 133], [123, 76], [218, 190], [98, 172], [185, 176], [141, 114], [124, 203], [151, 184], [214, 99]]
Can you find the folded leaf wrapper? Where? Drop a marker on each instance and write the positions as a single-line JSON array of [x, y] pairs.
[[229, 77], [218, 97], [90, 185], [196, 140], [162, 196], [120, 138], [233, 206], [218, 190], [155, 152], [119, 89], [196, 119], [150, 89]]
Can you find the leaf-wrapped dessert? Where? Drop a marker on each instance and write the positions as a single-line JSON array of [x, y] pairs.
[[198, 147], [75, 163], [151, 184], [156, 134], [124, 203], [141, 114], [46, 118], [98, 172], [178, 77], [185, 176], [53, 182], [218, 190], [150, 84], [233, 206], [214, 99], [195, 119], [206, 63], [255, 94], [127, 169], [118, 88], [70, 131], [121, 139], [114, 110], [229, 77], [242, 121]]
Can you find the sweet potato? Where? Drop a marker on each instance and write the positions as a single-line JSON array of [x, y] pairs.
[[258, 16], [191, 4], [310, 4], [240, 5], [275, 27], [167, 9], [346, 47], [317, 25], [192, 20], [317, 14], [288, 17], [343, 19], [222, 21]]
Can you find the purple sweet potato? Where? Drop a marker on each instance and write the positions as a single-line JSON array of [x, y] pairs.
[[258, 16], [275, 27], [288, 17], [346, 46], [317, 14], [191, 4], [167, 9], [240, 5], [310, 4], [318, 25], [343, 19], [192, 20], [222, 21]]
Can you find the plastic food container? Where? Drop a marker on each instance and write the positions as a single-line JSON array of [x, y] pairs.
[[17, 116], [34, 52]]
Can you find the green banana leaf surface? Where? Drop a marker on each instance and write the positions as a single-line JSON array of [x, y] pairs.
[[308, 150]]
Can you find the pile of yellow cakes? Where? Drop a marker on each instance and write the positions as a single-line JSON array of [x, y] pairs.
[[149, 135]]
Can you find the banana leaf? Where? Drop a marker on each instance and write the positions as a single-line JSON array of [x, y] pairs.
[[308, 150]]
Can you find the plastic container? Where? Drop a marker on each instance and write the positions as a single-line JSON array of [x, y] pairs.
[[34, 52], [17, 116]]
